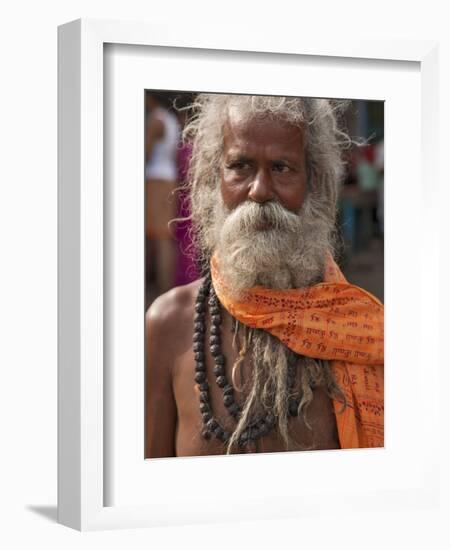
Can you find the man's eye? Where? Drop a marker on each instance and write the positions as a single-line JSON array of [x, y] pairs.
[[280, 167], [238, 165]]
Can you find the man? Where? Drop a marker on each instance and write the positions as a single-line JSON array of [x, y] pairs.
[[272, 349]]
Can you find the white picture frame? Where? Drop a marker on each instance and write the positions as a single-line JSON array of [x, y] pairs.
[[82, 482]]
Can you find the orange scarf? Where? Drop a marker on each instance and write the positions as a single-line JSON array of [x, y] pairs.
[[335, 321]]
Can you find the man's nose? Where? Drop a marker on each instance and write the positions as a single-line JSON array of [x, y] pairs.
[[261, 188]]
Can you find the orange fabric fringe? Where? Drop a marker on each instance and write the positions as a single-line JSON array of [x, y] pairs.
[[335, 321]]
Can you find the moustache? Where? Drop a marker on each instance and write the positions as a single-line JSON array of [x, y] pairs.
[[252, 216]]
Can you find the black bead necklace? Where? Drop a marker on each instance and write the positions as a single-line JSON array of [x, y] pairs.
[[263, 423]]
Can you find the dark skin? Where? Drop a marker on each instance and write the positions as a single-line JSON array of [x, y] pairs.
[[262, 161]]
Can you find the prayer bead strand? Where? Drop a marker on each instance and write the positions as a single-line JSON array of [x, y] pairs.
[[257, 427]]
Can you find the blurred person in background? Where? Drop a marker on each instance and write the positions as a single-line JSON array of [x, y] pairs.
[[379, 165], [162, 137], [359, 199]]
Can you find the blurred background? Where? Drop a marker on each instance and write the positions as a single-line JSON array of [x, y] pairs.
[[168, 254]]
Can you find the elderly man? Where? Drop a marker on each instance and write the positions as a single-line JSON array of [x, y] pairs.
[[272, 349]]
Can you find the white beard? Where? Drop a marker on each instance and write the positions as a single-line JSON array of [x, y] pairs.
[[267, 245]]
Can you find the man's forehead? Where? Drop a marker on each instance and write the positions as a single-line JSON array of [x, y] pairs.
[[242, 130]]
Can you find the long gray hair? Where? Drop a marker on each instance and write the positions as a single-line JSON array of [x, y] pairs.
[[323, 141]]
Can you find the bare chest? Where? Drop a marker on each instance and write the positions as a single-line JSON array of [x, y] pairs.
[[228, 389]]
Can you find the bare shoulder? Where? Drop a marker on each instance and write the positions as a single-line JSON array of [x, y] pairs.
[[173, 311], [169, 325]]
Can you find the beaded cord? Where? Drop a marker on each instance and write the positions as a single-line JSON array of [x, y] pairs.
[[259, 426]]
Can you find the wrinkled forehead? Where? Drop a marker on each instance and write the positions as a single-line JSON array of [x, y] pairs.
[[242, 126]]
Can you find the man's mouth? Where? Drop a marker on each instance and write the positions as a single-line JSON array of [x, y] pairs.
[[262, 225]]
